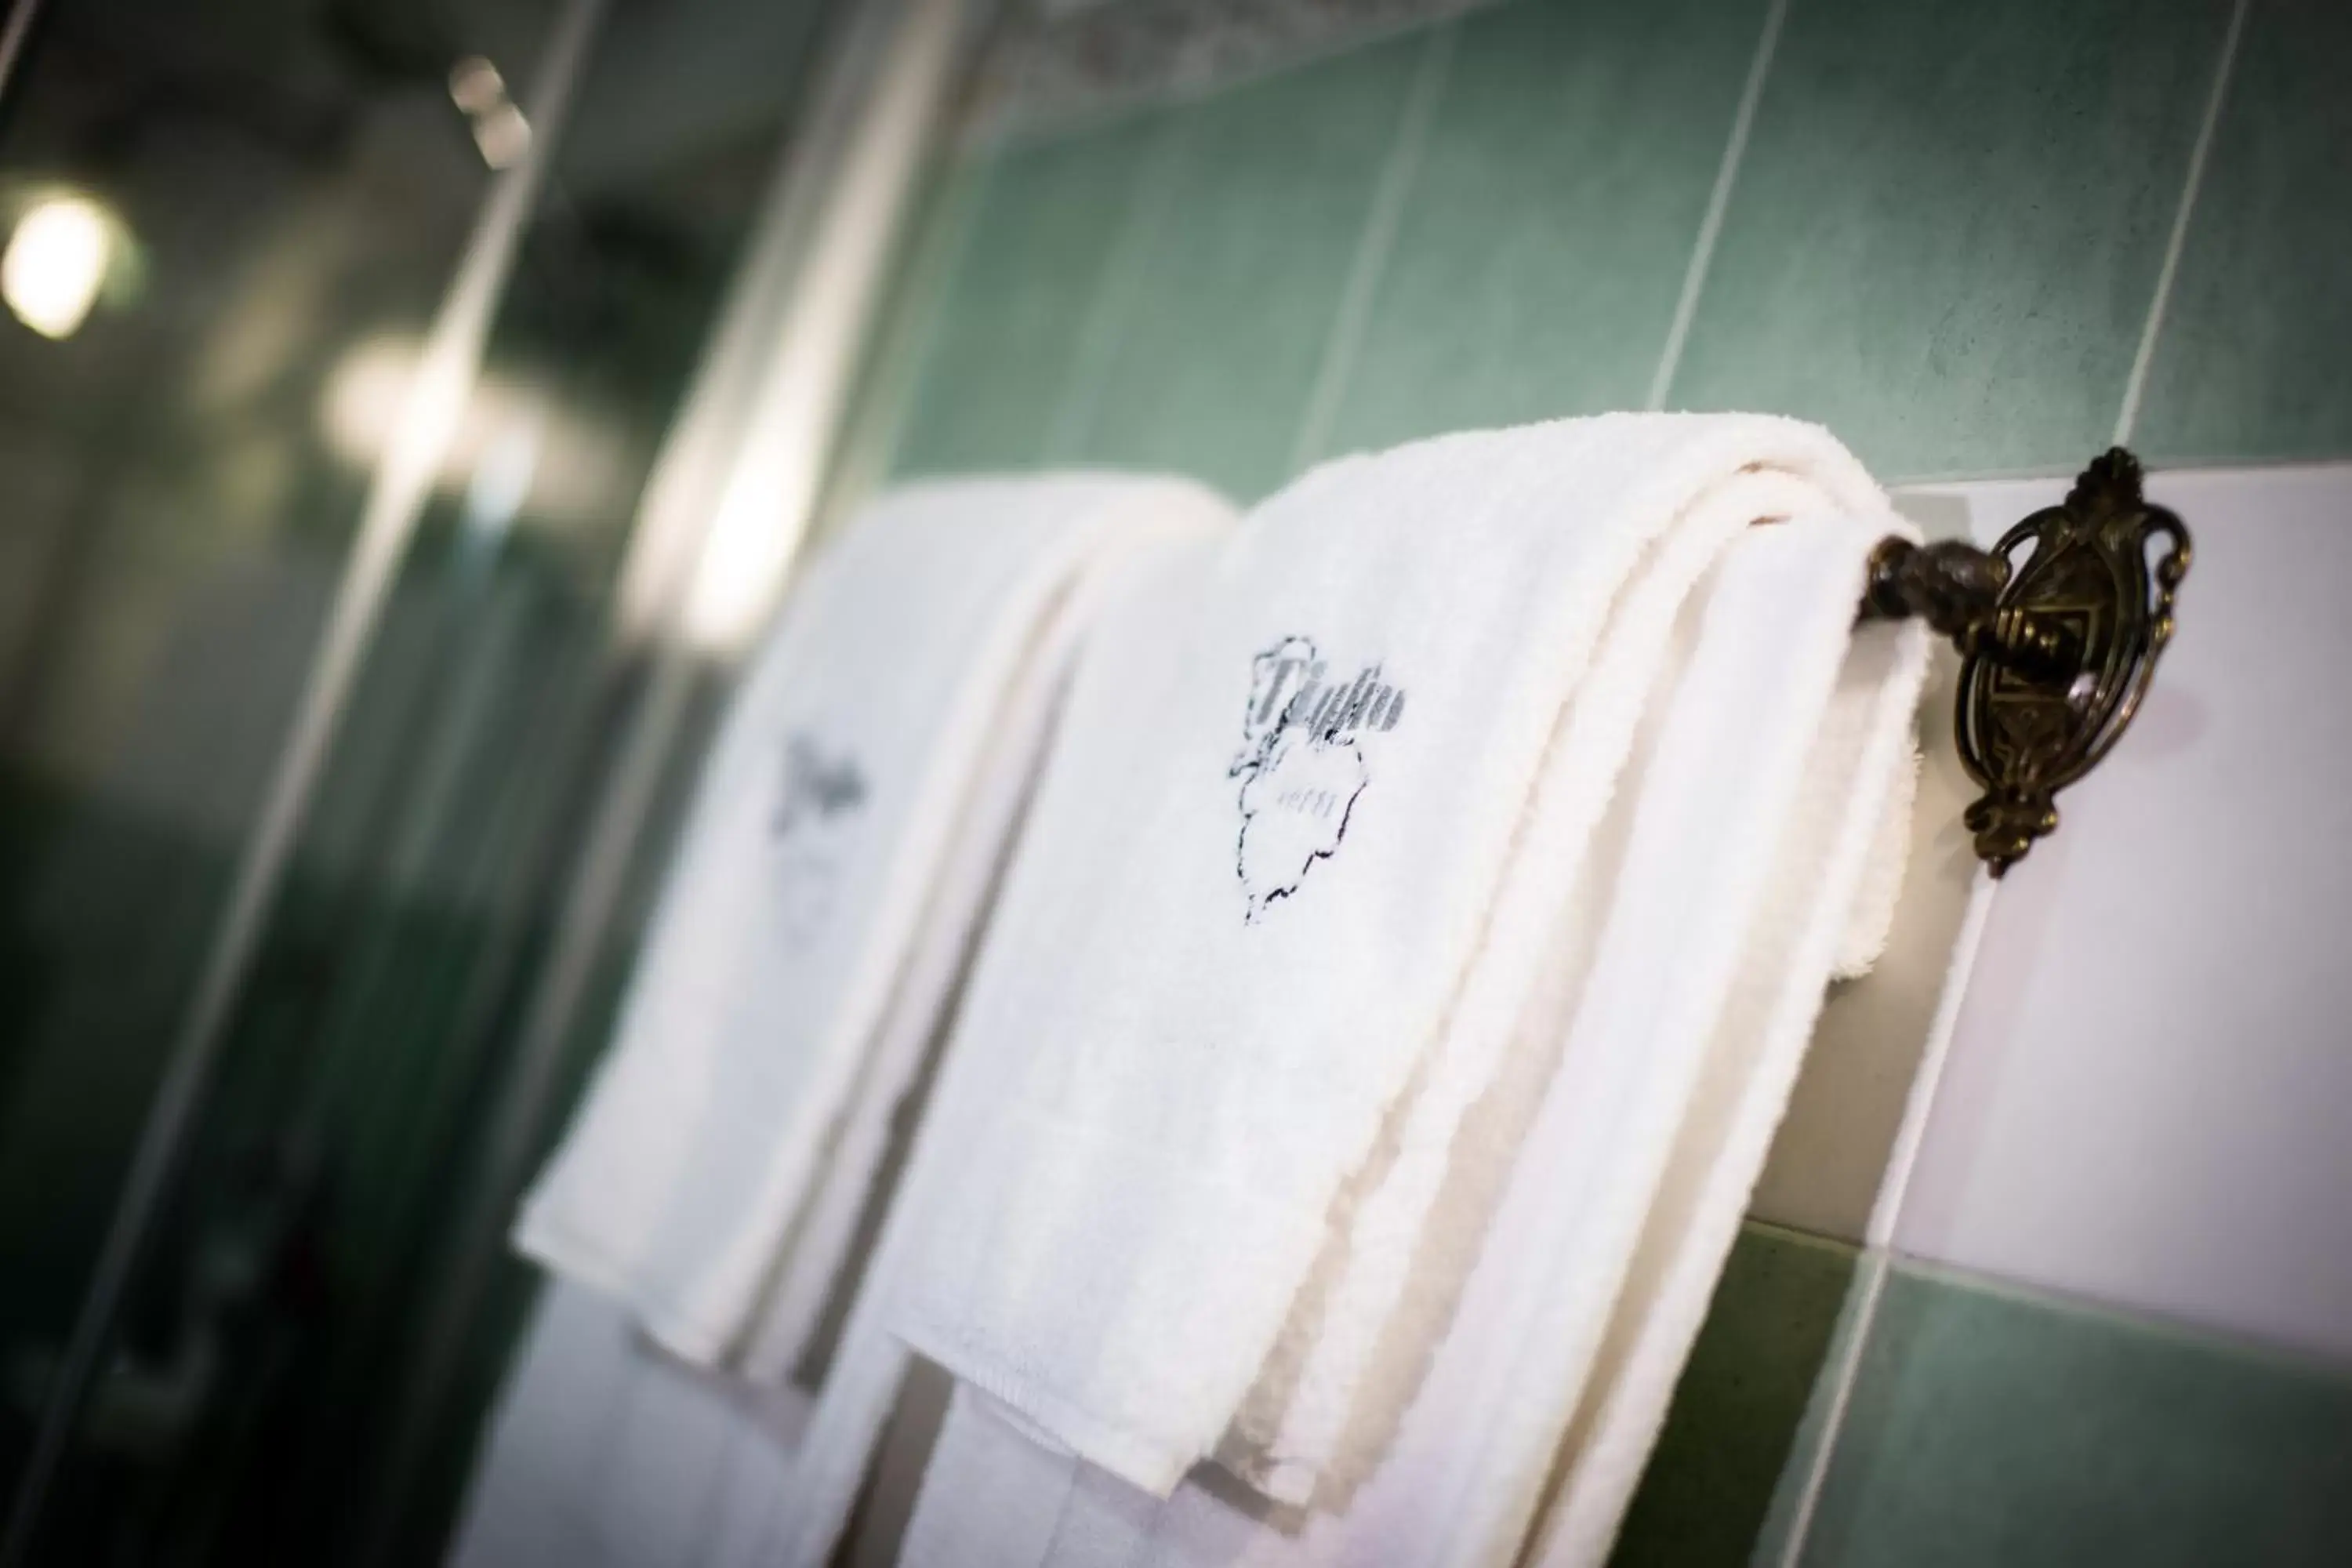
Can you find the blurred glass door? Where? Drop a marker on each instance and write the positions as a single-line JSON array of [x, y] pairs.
[[228, 231]]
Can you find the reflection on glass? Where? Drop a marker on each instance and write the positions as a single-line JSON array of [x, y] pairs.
[[499, 129], [55, 263], [279, 183], [186, 471]]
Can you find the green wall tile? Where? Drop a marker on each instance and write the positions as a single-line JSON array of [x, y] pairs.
[[1560, 189], [1985, 1427], [1948, 222], [1738, 1405], [1008, 336], [2251, 362], [890, 369], [1223, 327]]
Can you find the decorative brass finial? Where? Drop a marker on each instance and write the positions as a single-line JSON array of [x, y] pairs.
[[2057, 651]]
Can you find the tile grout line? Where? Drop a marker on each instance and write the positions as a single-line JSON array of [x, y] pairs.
[[934, 261], [1848, 1370], [1113, 293], [1945, 482], [1726, 174], [1402, 172], [2136, 384]]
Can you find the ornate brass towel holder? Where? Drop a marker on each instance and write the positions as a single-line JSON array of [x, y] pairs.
[[2056, 653]]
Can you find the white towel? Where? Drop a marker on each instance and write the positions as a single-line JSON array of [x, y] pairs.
[[862, 1383], [1311, 845], [1545, 1367], [839, 851], [1832, 880]]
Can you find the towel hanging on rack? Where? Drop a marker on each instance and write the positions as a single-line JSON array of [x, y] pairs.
[[1262, 997], [842, 847], [1530, 1342], [1609, 1420]]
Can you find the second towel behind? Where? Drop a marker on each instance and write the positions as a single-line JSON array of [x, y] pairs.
[[847, 833]]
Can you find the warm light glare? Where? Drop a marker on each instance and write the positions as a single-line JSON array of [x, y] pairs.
[[509, 441], [480, 94], [750, 548], [56, 264], [365, 394], [727, 509], [476, 86], [503, 475], [503, 135]]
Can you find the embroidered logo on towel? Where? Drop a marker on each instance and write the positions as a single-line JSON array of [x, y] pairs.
[[816, 798], [1301, 765]]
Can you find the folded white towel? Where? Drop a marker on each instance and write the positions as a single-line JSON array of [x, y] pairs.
[[1547, 1366], [1545, 1369], [1312, 842], [1832, 878], [838, 853], [819, 1270], [862, 1383]]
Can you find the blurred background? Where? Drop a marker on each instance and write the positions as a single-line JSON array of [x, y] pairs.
[[410, 410], [239, 233]]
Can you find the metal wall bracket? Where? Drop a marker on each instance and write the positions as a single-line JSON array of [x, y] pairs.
[[2057, 651]]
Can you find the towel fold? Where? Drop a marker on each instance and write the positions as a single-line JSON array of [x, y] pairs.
[[1832, 879], [842, 844], [1725, 884], [1318, 836]]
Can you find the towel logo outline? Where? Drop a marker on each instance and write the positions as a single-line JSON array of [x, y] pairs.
[[818, 799], [1302, 765]]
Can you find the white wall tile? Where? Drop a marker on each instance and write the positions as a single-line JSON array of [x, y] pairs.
[[2149, 1095]]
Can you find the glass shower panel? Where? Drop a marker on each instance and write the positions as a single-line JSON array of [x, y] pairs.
[[206, 211], [282, 1302], [446, 828]]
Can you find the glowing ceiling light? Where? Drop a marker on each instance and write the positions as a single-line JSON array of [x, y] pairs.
[[753, 536], [56, 264], [366, 394]]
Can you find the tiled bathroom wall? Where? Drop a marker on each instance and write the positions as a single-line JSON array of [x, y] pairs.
[[2061, 1276], [1980, 242], [1976, 240]]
